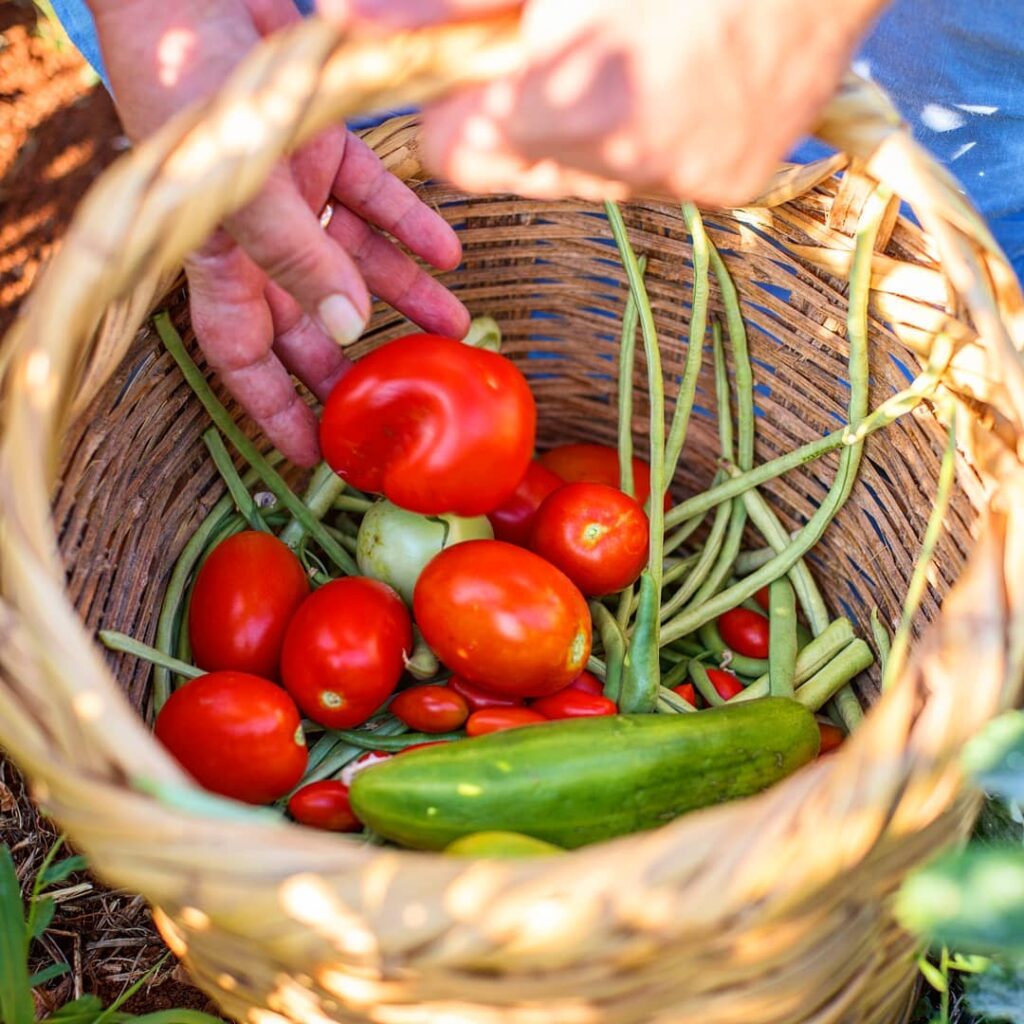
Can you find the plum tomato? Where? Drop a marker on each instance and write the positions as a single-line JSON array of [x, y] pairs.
[[597, 464], [430, 709], [745, 632], [588, 683], [725, 683], [687, 692], [832, 737], [242, 600], [499, 719], [236, 734], [476, 697], [762, 598], [502, 618], [345, 650], [513, 518], [571, 703], [595, 534], [434, 425], [324, 805]]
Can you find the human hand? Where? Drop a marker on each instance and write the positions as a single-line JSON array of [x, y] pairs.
[[687, 98], [272, 292]]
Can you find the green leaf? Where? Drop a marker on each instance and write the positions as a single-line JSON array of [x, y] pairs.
[[40, 916], [997, 823], [15, 991], [969, 900], [933, 975], [83, 1010], [996, 756], [48, 974], [998, 993], [64, 869], [177, 1017]]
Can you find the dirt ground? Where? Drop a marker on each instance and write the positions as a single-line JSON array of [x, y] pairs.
[[58, 130]]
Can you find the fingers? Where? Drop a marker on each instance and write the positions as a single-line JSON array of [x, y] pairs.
[[283, 236], [367, 189], [233, 325], [396, 279], [410, 13]]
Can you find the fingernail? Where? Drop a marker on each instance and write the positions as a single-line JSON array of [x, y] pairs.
[[341, 318]]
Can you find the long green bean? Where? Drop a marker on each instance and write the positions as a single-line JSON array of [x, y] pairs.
[[378, 741], [332, 753], [671, 703], [747, 561], [726, 658], [702, 681], [883, 642], [322, 491], [699, 573], [781, 639], [115, 641], [627, 361], [236, 488], [614, 644], [641, 669], [831, 678]]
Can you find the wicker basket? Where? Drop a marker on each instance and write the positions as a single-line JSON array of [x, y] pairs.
[[775, 909]]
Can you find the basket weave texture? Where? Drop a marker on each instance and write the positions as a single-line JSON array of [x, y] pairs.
[[775, 909]]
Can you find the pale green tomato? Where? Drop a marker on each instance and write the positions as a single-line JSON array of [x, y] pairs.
[[394, 545]]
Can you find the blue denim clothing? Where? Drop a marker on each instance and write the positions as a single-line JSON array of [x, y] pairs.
[[954, 68]]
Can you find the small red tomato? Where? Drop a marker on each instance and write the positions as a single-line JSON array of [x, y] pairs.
[[420, 746], [570, 703], [243, 598], [345, 650], [324, 805], [503, 618], [595, 534], [745, 632], [499, 719], [597, 464], [725, 683], [477, 698], [512, 519], [435, 425], [831, 737], [762, 598], [687, 692], [236, 735], [588, 683], [430, 709]]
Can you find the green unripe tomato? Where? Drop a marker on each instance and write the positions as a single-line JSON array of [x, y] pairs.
[[511, 845], [394, 545]]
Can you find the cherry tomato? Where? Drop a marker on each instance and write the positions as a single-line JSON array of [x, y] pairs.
[[476, 697], [762, 598], [588, 683], [570, 703], [345, 650], [420, 746], [435, 425], [597, 464], [430, 709], [324, 805], [832, 737], [725, 683], [687, 692], [244, 596], [745, 632], [503, 618], [499, 719], [512, 519], [595, 534], [236, 734]]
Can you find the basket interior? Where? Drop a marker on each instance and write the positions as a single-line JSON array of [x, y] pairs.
[[136, 479]]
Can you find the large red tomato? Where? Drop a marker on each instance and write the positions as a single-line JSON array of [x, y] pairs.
[[513, 518], [236, 735], [595, 534], [503, 618], [435, 425], [243, 597], [345, 650], [597, 464]]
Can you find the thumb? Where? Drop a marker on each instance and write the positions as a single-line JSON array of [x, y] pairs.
[[410, 13]]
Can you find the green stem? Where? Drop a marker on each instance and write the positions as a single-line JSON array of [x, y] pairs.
[[782, 645], [322, 491], [115, 641]]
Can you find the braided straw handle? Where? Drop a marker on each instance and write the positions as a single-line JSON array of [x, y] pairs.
[[887, 795]]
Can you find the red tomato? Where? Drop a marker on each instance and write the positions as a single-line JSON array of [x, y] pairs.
[[499, 719], [588, 683], [243, 598], [687, 692], [420, 746], [503, 618], [570, 703], [435, 425], [745, 632], [762, 598], [512, 519], [345, 650], [595, 534], [430, 709], [324, 805], [476, 697], [831, 737], [236, 735], [725, 683], [597, 464]]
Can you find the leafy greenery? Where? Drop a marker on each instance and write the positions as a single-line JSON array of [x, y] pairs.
[[21, 924]]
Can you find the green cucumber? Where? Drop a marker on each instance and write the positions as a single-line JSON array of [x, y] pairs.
[[583, 780]]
